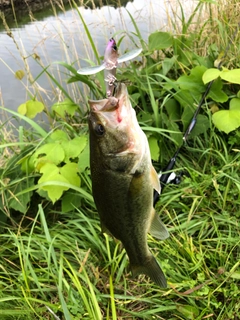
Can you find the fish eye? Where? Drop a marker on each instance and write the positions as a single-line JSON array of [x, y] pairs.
[[99, 129]]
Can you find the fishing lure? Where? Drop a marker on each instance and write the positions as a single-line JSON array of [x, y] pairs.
[[109, 65]]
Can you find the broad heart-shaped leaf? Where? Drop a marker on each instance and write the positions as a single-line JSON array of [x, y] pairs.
[[201, 126], [167, 64], [48, 153], [210, 75], [159, 40], [70, 200], [31, 108], [235, 104], [59, 135], [226, 120], [65, 107], [70, 172], [232, 76], [20, 203], [50, 172], [216, 93], [84, 159], [173, 110], [22, 109], [193, 82], [67, 173], [74, 147]]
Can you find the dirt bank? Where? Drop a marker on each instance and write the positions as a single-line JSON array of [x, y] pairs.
[[7, 4]]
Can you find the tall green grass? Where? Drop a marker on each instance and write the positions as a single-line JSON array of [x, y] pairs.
[[58, 265]]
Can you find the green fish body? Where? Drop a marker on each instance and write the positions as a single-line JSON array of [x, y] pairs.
[[123, 180]]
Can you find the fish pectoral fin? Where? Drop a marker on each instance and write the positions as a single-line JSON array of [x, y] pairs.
[[157, 228], [155, 180], [152, 269]]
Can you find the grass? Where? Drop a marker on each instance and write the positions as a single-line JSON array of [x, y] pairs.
[[56, 264]]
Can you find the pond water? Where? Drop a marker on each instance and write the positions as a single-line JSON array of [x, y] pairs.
[[62, 38]]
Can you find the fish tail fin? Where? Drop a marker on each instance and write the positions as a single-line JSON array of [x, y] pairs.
[[153, 270]]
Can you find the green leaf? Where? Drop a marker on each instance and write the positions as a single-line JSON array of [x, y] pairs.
[[70, 172], [48, 153], [232, 76], [167, 64], [154, 148], [22, 109], [27, 164], [193, 81], [70, 200], [159, 40], [226, 120], [235, 104], [210, 75], [172, 108], [65, 107], [19, 74], [216, 93], [235, 275], [73, 148], [59, 135], [188, 311], [20, 203], [202, 125], [31, 108], [84, 159], [50, 172], [186, 98]]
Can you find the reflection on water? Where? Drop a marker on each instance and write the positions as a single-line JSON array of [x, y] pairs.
[[62, 38]]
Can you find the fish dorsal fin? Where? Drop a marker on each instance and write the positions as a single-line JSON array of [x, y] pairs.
[[155, 180], [157, 228]]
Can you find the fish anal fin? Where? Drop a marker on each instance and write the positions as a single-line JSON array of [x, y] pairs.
[[155, 180], [152, 269], [157, 227]]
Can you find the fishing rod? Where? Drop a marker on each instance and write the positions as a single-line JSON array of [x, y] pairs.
[[167, 171]]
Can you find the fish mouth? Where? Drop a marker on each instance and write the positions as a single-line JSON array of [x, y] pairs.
[[114, 109]]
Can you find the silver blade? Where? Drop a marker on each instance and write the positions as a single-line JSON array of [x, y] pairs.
[[129, 55], [91, 70]]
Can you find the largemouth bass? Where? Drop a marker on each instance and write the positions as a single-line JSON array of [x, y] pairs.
[[109, 65], [123, 180]]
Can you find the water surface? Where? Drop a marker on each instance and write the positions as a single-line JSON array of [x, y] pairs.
[[63, 38]]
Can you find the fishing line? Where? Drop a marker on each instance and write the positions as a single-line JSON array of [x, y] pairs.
[[164, 177]]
